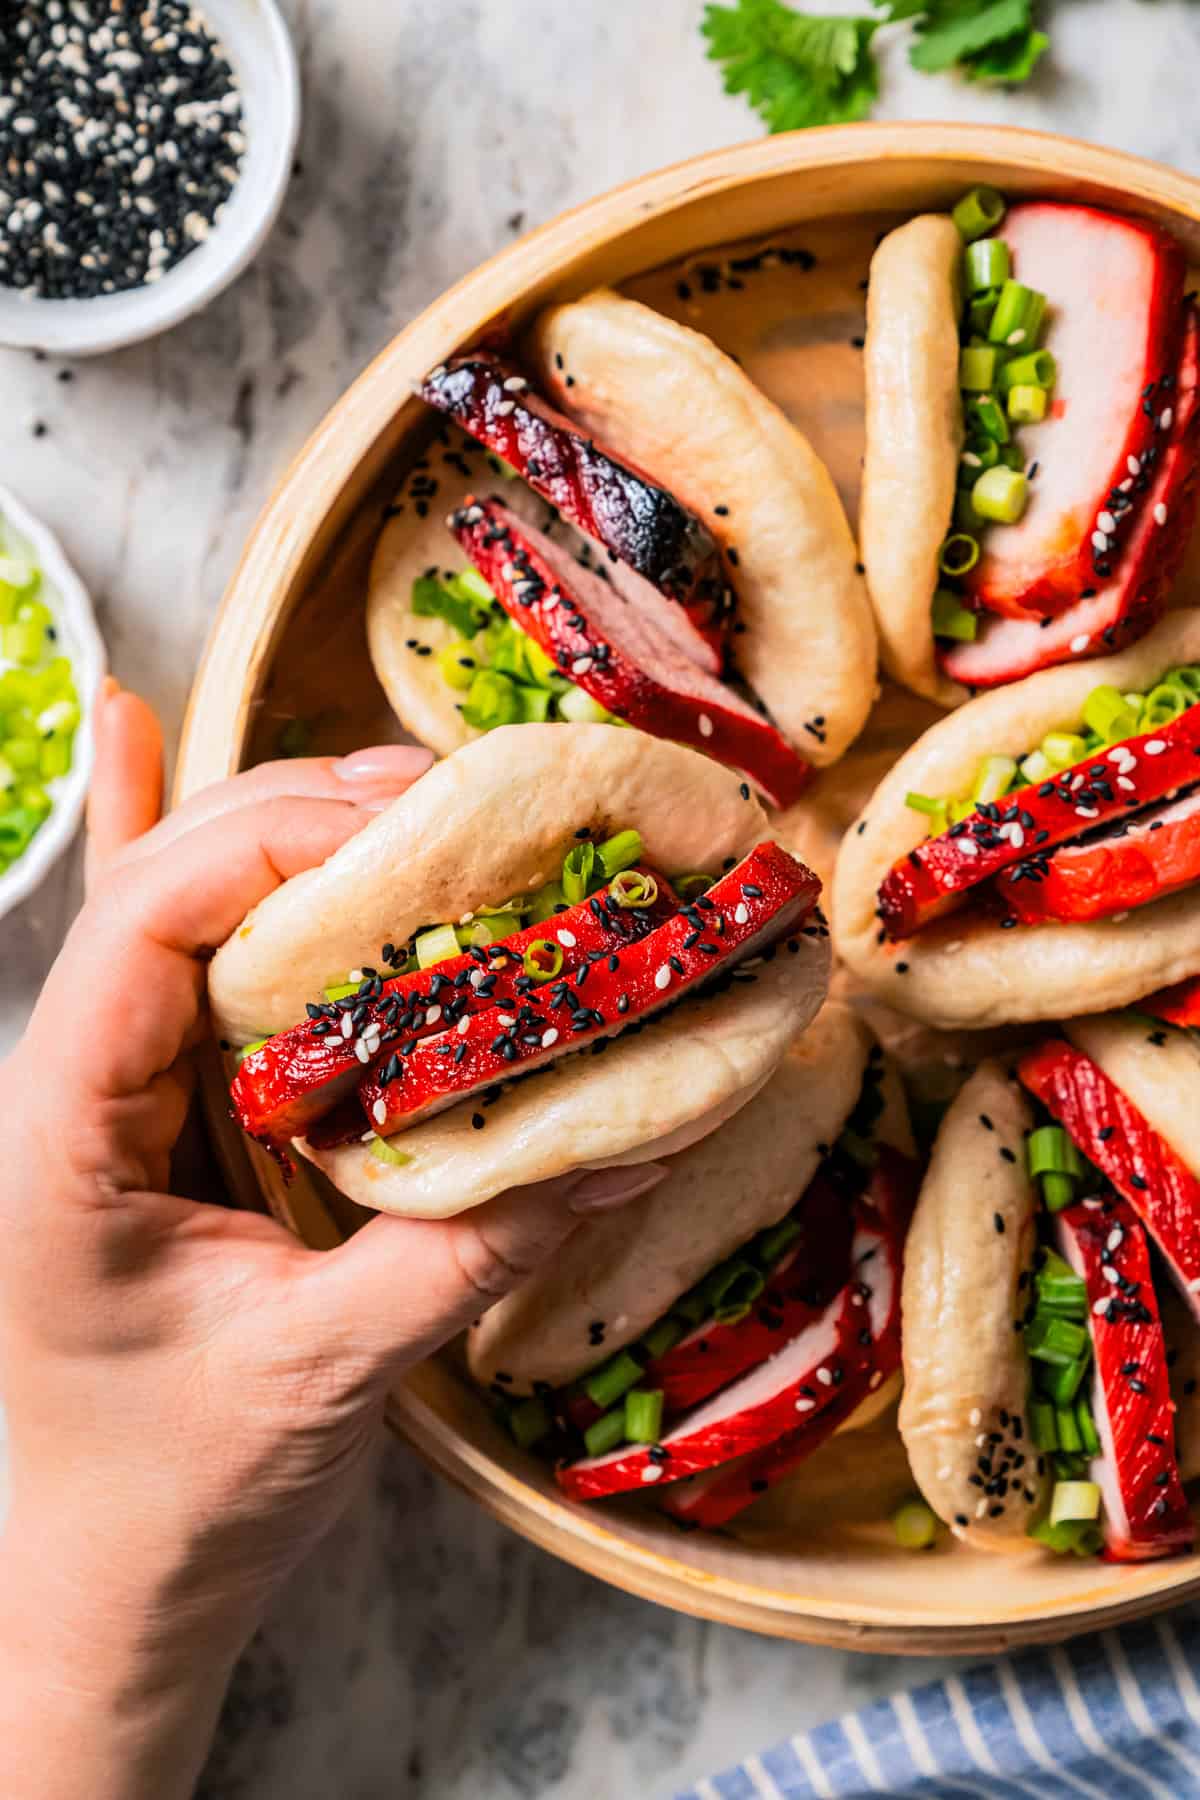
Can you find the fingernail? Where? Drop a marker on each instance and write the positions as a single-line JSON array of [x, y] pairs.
[[108, 687], [603, 1190], [384, 763]]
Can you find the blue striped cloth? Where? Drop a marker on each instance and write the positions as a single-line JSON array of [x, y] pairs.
[[1114, 1717]]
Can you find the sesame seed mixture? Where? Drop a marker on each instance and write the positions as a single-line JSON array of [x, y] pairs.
[[121, 139]]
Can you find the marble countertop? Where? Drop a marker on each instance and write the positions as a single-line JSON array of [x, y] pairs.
[[426, 1651]]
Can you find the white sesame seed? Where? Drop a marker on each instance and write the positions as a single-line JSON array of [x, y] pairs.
[[1115, 1238], [566, 938], [663, 978], [504, 407], [581, 665], [347, 1025], [1134, 464], [1110, 1275], [433, 1015], [464, 1025], [1126, 786], [705, 724], [1155, 747], [1166, 418], [1101, 1306], [1079, 644], [1087, 812], [652, 1472], [981, 1507], [968, 847], [1106, 522], [1016, 836], [876, 1378], [1160, 514], [741, 913], [945, 1472], [825, 1377], [379, 1110], [974, 1417], [1099, 541], [355, 975], [1017, 336], [803, 1405], [549, 1037], [515, 384], [361, 1051]]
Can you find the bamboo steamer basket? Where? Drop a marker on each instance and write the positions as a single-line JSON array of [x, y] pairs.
[[289, 641]]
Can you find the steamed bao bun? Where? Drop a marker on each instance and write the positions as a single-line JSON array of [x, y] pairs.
[[493, 820], [964, 970]]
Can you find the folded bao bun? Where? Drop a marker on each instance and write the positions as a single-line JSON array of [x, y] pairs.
[[965, 969], [628, 1267], [493, 820], [913, 439], [966, 1372], [664, 398]]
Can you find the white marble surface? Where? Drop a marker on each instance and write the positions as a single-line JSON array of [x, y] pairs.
[[427, 1652]]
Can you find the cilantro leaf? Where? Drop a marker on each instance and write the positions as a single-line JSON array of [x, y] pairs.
[[1011, 60], [951, 31], [796, 69]]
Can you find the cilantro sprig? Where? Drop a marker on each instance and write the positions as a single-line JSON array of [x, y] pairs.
[[798, 69]]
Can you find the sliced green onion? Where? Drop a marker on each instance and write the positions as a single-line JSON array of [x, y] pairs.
[[1053, 1340], [619, 852], [578, 868], [1187, 677], [1162, 705], [612, 1380], [980, 308], [535, 705], [978, 453], [1074, 1500], [507, 649], [578, 708], [1027, 405], [1001, 494], [1063, 749], [630, 888], [691, 1306], [732, 1288], [530, 1422], [492, 700], [934, 810], [663, 1336], [430, 599], [951, 619], [977, 367], [543, 669], [470, 585], [1050, 1150], [1042, 1426], [978, 213], [1036, 767], [249, 1049], [1078, 1537], [914, 1525], [986, 264], [1060, 1382], [770, 1245], [546, 902], [342, 990], [1018, 317], [457, 663], [1108, 713], [488, 928], [1087, 1428], [543, 960], [436, 945], [1070, 1439], [1059, 1289], [24, 641], [696, 881], [643, 1415], [1036, 369], [986, 415], [606, 1433], [994, 778], [384, 1152], [958, 554]]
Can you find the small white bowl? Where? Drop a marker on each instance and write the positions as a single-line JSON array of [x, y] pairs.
[[79, 638], [262, 53]]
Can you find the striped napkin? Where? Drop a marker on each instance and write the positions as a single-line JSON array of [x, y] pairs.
[[1114, 1717]]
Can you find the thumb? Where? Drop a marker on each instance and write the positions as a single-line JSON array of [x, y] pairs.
[[402, 1287]]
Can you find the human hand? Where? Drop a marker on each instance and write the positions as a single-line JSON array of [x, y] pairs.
[[190, 1391]]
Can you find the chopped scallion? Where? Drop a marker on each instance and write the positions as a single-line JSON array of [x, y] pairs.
[[951, 619], [1074, 1500], [643, 1415], [1001, 494], [986, 264], [436, 945], [914, 1525], [543, 960], [978, 213], [530, 1422], [619, 852], [977, 368], [631, 888], [578, 869], [606, 1433], [612, 1380]]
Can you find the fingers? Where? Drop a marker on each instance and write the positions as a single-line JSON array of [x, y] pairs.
[[402, 1287], [125, 991], [370, 779], [127, 779]]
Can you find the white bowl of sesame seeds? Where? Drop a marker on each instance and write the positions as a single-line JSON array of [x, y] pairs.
[[78, 638], [253, 137]]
